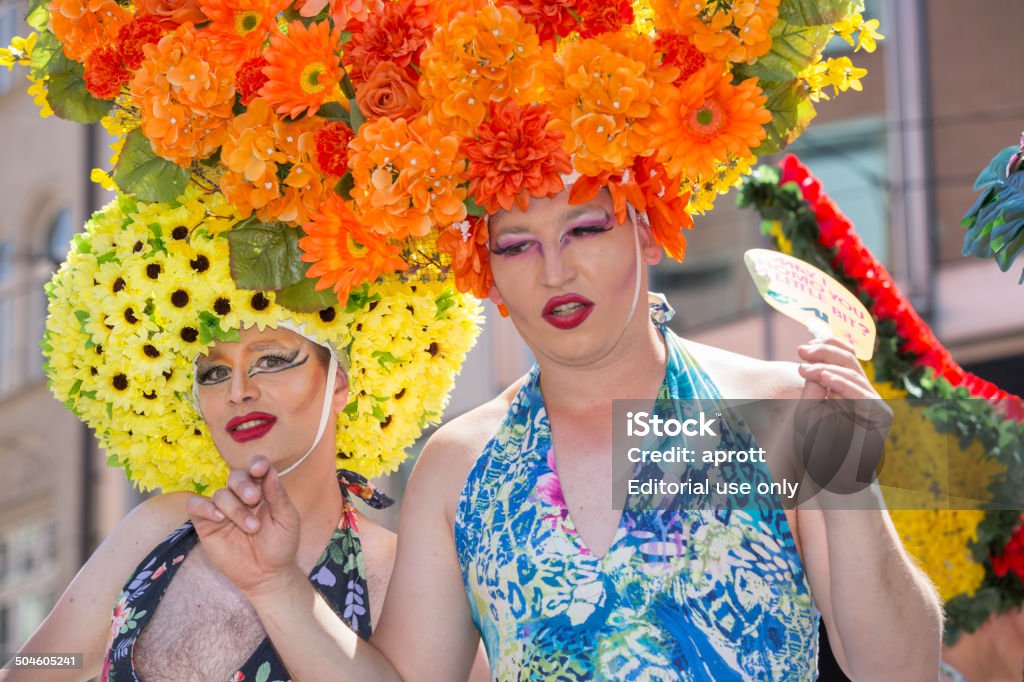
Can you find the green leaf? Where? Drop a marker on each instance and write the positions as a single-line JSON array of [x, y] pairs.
[[302, 297], [38, 15], [141, 172], [263, 672], [265, 256], [385, 358], [472, 208], [333, 111], [355, 116], [817, 12], [444, 302], [65, 86], [210, 331], [48, 56], [793, 111], [345, 186], [793, 50]]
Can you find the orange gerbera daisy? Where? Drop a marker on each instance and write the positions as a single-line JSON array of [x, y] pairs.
[[466, 241], [303, 68], [184, 97], [343, 253], [84, 25], [238, 28], [704, 120], [515, 156]]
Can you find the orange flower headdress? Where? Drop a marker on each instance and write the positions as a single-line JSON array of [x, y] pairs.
[[384, 131]]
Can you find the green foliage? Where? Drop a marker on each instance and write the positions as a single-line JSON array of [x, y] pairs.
[[794, 48], [995, 223], [302, 297], [818, 12], [265, 256], [141, 172]]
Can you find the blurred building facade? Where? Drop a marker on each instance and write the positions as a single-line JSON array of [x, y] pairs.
[[899, 158]]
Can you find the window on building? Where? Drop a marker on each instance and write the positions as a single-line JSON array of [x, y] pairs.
[[850, 160], [29, 588]]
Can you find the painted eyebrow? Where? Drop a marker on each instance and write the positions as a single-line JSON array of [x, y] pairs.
[[258, 347], [570, 214]]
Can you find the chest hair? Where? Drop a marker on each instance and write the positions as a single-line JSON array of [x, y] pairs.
[[203, 628]]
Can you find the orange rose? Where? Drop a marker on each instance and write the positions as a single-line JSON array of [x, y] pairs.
[[388, 92], [172, 12]]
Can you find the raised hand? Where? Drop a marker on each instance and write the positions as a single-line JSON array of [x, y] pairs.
[[250, 529], [841, 422]]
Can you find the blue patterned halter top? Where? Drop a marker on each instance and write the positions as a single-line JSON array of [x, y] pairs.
[[729, 602]]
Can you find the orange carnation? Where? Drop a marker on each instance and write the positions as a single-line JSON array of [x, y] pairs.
[[142, 31], [704, 120], [679, 51], [184, 97], [515, 156], [343, 253], [85, 25], [250, 79], [332, 147], [303, 68], [238, 28], [172, 13], [601, 16], [388, 92], [105, 73], [552, 19], [466, 241]]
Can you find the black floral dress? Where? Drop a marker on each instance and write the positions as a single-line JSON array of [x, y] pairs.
[[339, 576]]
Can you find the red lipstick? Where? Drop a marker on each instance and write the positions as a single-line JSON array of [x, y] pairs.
[[567, 311], [250, 426]]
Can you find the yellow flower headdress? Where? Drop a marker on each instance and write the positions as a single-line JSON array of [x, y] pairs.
[[148, 287]]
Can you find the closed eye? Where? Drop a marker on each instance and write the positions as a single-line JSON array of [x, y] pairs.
[[513, 249], [589, 230]]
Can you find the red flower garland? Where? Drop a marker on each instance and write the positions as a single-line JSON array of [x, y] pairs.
[[855, 260]]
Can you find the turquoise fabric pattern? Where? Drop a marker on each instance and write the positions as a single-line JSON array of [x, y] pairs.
[[700, 594]]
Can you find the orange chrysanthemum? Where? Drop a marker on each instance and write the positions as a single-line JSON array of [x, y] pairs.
[[489, 55], [515, 156], [406, 177], [184, 97], [85, 25], [704, 120], [734, 31], [612, 83], [105, 73], [343, 253], [395, 32], [238, 28], [466, 241], [303, 68]]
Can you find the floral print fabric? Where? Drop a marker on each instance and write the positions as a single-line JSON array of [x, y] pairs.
[[339, 576], [680, 595]]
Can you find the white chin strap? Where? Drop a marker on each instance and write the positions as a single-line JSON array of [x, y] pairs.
[[325, 414], [636, 250]]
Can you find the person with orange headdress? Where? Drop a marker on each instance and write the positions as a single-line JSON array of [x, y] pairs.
[[583, 135]]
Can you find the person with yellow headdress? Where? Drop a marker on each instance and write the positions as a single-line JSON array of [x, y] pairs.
[[555, 149], [190, 331]]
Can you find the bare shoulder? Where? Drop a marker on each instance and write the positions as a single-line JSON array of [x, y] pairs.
[[453, 449], [145, 526], [743, 377]]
